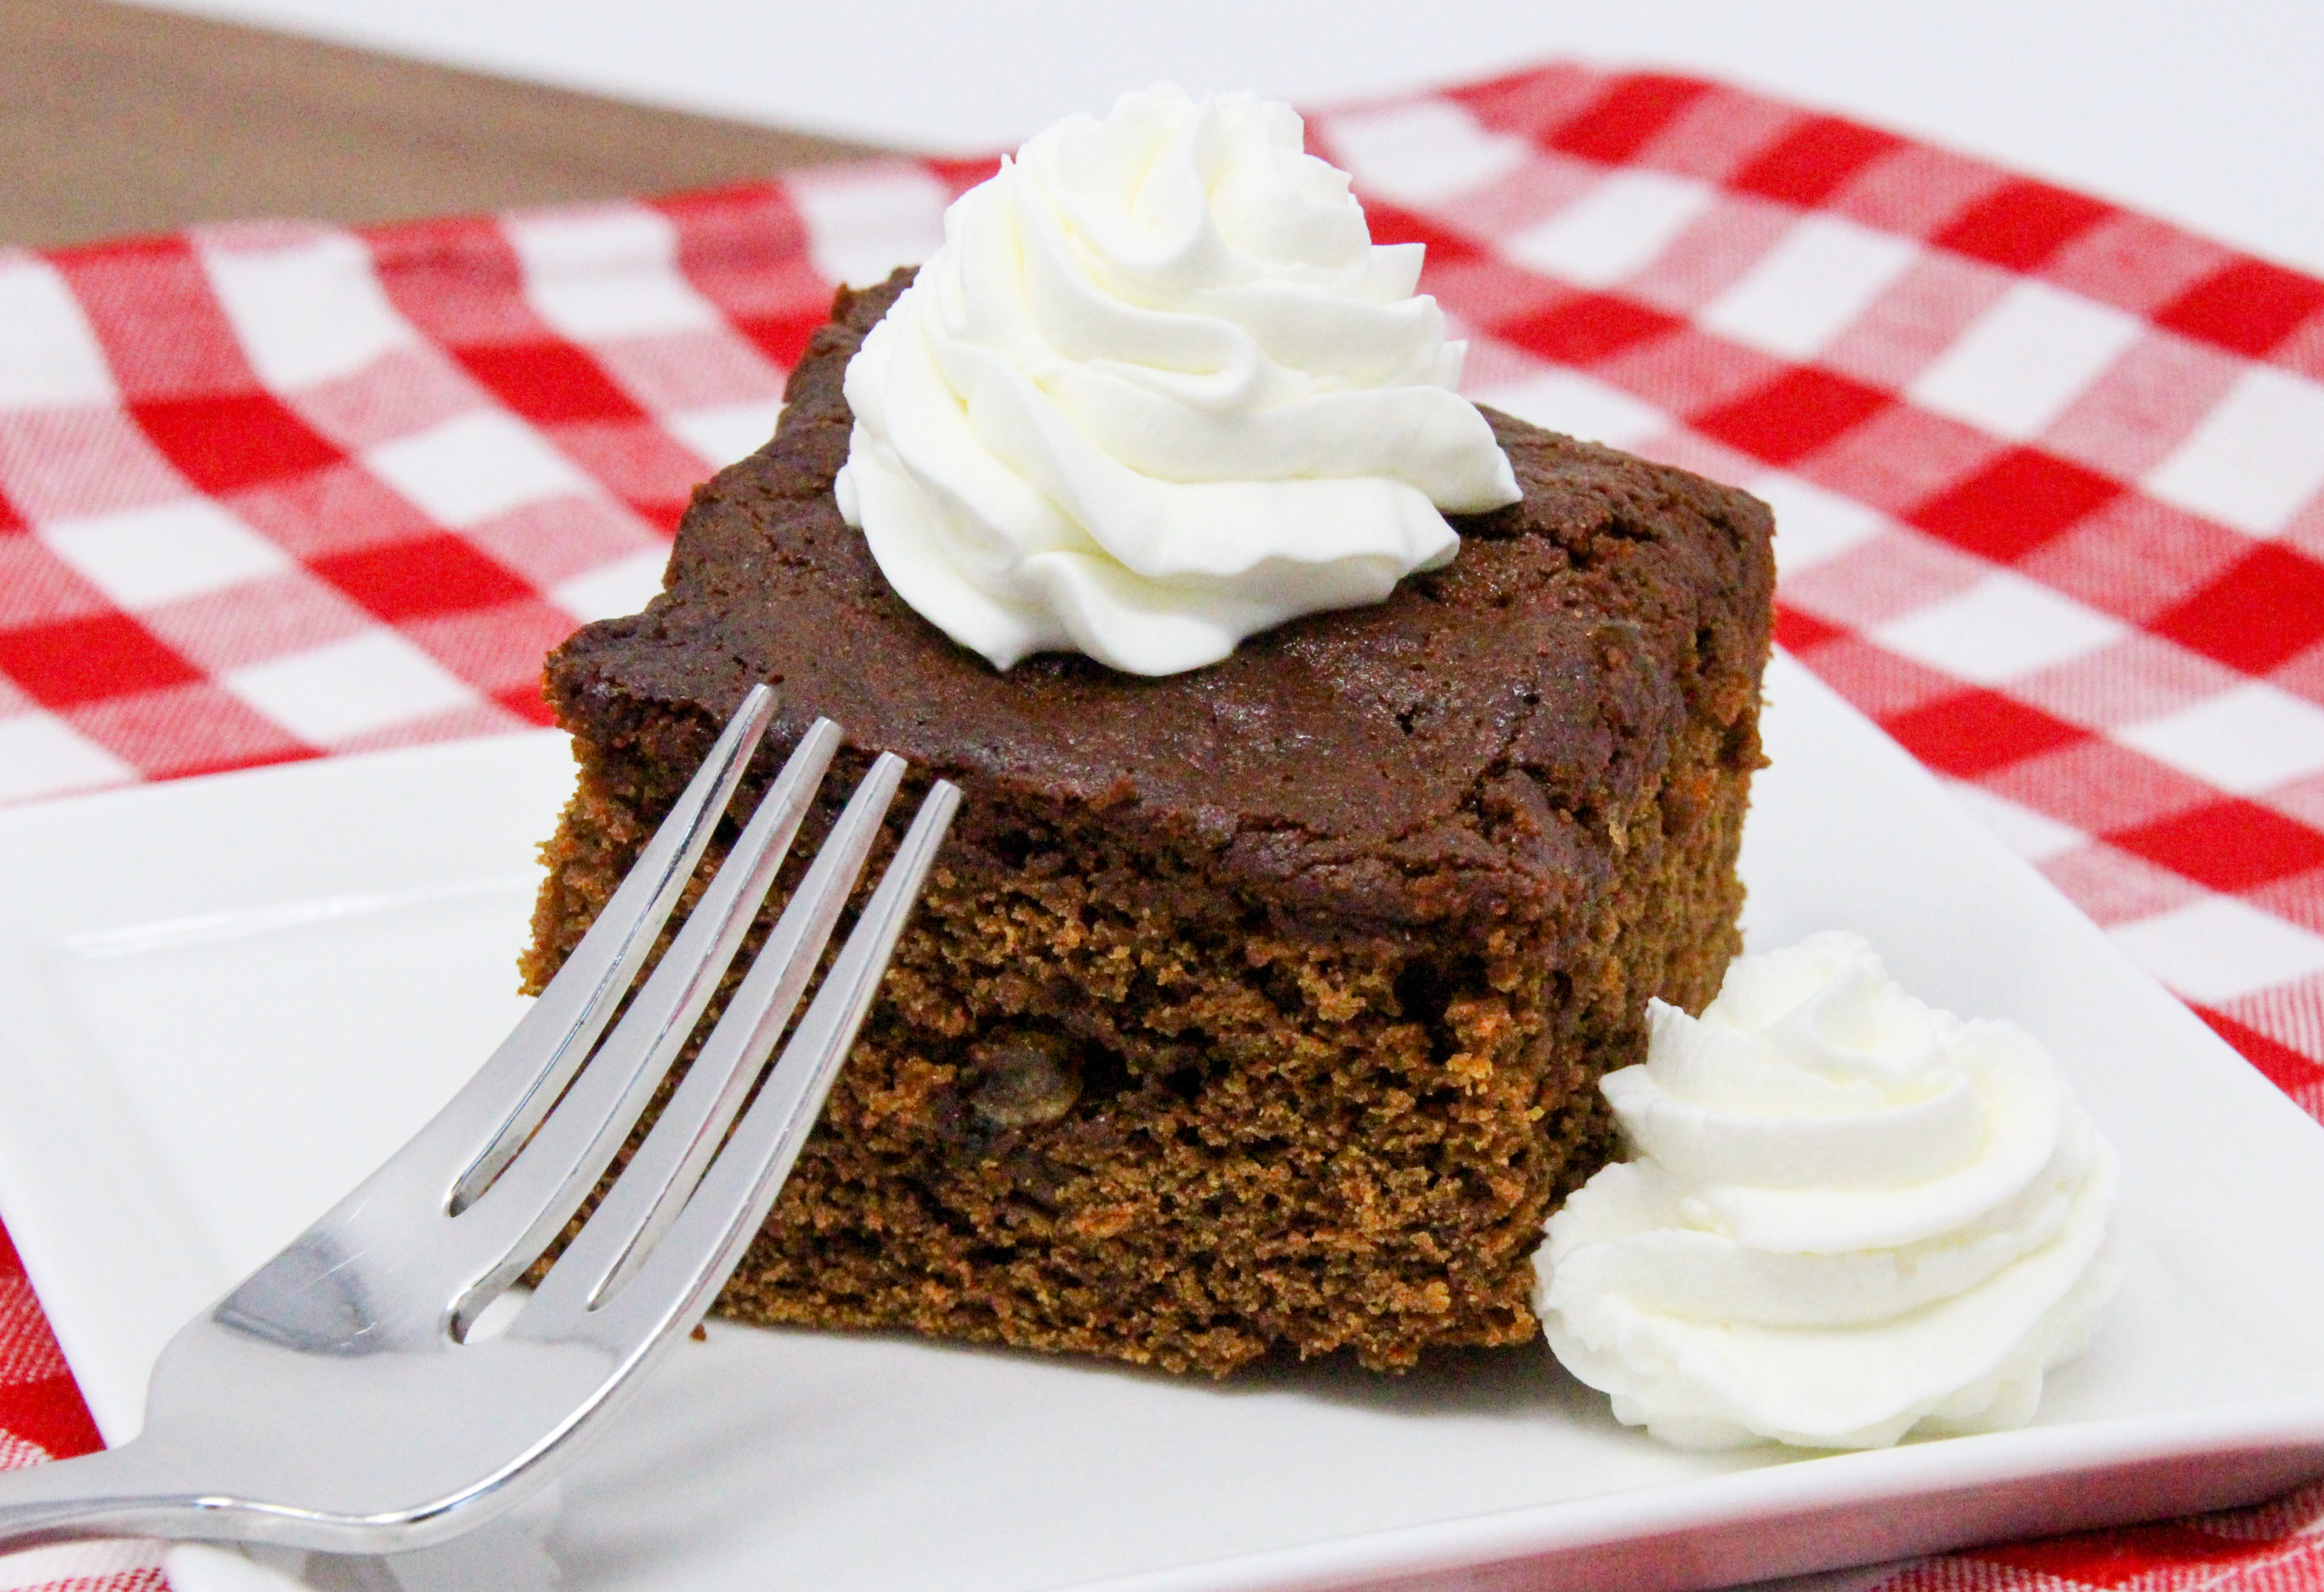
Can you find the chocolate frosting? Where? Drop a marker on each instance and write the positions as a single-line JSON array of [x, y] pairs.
[[1469, 748]]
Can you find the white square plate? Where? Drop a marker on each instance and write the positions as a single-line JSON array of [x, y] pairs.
[[227, 998]]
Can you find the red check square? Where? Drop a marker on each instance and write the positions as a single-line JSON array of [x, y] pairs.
[[1808, 165], [43, 1405], [2016, 504], [1977, 732], [1799, 631], [427, 575], [548, 383], [2021, 224], [2250, 306], [2230, 846], [76, 661], [2265, 609], [1627, 118], [223, 443], [1793, 415], [1586, 329]]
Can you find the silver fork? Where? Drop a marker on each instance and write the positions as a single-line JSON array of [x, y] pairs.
[[343, 1397]]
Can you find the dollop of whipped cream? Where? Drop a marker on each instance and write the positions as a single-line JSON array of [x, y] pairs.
[[1851, 1217], [1158, 391]]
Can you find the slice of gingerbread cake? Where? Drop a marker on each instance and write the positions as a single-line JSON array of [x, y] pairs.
[[1256, 1005]]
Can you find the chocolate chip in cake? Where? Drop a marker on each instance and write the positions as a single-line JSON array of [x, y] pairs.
[[1027, 1077]]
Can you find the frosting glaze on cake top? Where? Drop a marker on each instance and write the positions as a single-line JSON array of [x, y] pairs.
[[1378, 766]]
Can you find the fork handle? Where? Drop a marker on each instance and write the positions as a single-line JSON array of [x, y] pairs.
[[119, 1492]]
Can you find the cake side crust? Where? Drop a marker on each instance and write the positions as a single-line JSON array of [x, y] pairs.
[[1140, 1132]]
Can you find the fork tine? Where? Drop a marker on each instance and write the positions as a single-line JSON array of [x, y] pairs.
[[652, 1190], [673, 1282], [523, 1076], [512, 1221]]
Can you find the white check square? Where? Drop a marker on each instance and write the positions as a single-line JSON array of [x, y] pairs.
[[606, 273], [1613, 232], [729, 432], [45, 756], [1579, 405], [471, 469], [348, 688], [2003, 627], [2255, 460], [1423, 154], [1809, 288], [142, 556], [2250, 739], [2032, 835], [863, 221], [2219, 949], [611, 590], [1814, 525], [308, 312], [2020, 364], [49, 355]]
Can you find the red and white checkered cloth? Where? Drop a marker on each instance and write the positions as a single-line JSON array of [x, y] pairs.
[[2050, 477]]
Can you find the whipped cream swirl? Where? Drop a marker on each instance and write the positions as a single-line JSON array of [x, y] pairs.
[[1854, 1216], [1158, 391]]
